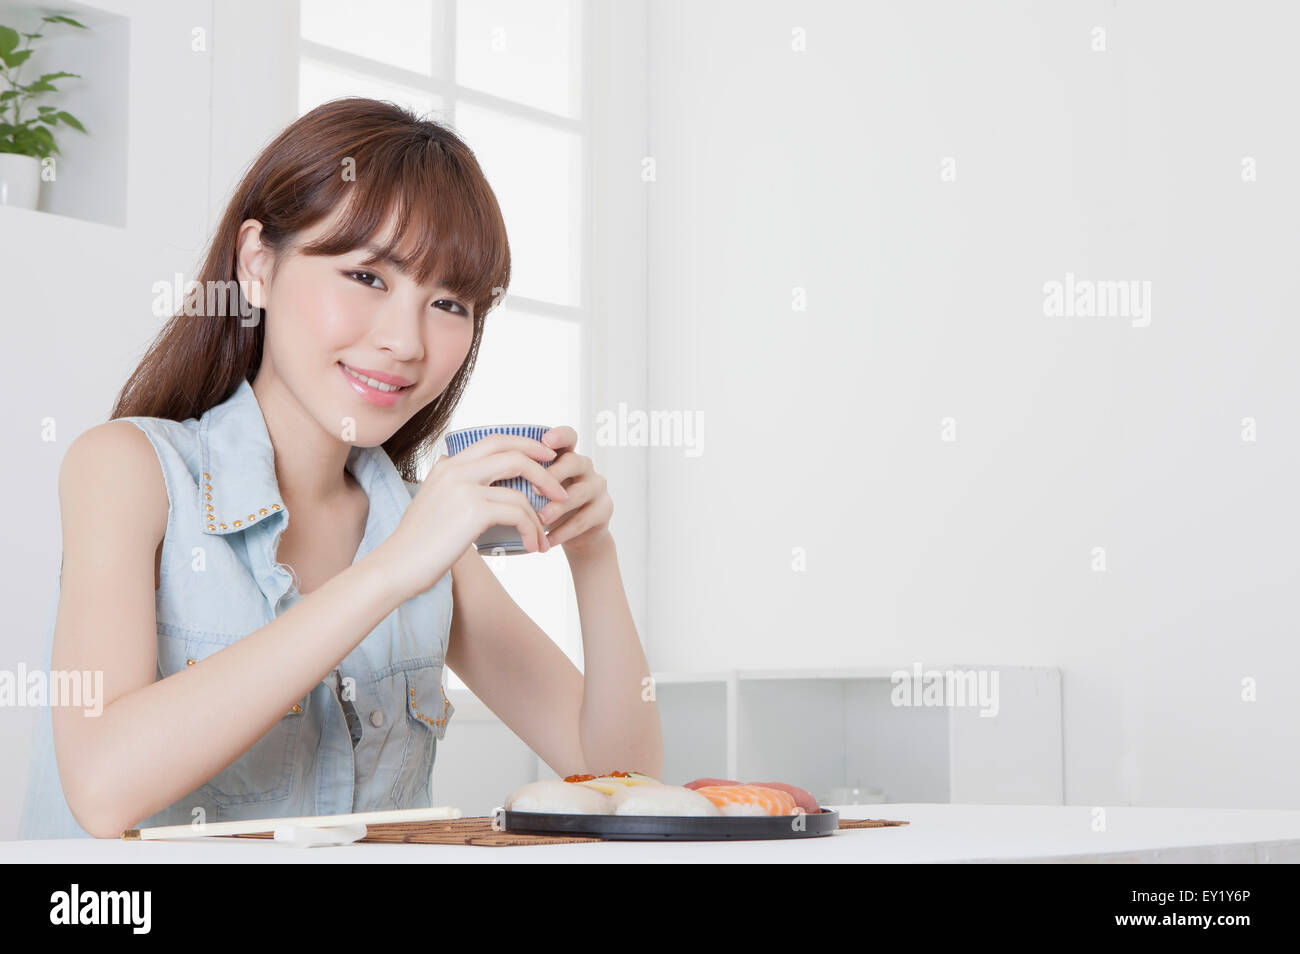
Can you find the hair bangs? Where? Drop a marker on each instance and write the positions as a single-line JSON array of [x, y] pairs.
[[420, 208]]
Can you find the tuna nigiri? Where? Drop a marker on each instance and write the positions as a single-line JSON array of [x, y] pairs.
[[801, 798], [749, 800]]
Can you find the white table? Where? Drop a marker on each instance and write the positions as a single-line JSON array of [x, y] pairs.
[[937, 833]]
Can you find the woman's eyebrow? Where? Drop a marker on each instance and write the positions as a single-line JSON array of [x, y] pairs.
[[377, 254]]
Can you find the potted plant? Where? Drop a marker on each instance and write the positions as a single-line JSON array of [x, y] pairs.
[[25, 141]]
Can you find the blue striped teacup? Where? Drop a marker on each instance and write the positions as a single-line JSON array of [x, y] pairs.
[[501, 540]]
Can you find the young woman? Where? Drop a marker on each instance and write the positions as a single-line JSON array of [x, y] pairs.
[[247, 558]]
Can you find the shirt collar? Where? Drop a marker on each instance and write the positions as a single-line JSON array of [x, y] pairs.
[[237, 468]]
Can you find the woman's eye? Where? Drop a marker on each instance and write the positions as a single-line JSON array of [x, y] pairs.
[[365, 278], [448, 301]]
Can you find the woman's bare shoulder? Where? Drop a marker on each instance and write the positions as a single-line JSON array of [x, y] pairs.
[[111, 477]]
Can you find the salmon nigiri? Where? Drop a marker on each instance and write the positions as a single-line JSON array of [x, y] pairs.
[[749, 800]]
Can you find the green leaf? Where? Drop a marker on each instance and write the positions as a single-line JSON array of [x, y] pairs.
[[46, 77], [70, 120], [67, 20], [11, 93], [15, 59], [39, 87], [46, 109], [8, 40]]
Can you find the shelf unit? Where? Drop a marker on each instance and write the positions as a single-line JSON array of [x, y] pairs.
[[820, 729]]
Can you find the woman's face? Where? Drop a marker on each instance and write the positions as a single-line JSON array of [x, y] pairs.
[[341, 335]]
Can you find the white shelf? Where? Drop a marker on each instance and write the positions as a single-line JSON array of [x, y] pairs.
[[90, 167], [824, 728], [820, 729]]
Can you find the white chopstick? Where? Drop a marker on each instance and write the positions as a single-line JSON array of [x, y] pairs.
[[251, 825]]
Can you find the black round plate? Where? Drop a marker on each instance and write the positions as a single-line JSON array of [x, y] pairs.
[[674, 827]]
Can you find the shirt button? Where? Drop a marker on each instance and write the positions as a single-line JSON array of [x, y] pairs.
[[377, 718]]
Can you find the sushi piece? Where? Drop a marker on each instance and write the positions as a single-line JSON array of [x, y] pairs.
[[701, 782], [749, 800], [801, 798], [609, 784], [563, 798], [655, 799]]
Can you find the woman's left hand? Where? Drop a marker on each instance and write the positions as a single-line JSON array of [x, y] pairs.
[[582, 519]]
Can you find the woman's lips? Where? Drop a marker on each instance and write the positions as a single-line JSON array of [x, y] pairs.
[[374, 395]]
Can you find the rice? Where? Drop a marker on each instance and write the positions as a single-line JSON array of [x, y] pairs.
[[661, 800], [558, 797]]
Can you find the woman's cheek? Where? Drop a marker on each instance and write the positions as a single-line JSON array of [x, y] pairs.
[[451, 351], [339, 322]]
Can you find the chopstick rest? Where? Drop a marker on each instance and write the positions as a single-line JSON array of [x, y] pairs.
[[304, 836]]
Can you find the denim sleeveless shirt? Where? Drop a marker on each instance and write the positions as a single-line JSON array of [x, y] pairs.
[[364, 738]]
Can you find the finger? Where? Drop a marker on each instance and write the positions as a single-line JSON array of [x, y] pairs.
[[505, 511], [554, 521], [593, 515], [579, 493], [560, 437], [517, 464], [519, 513], [569, 530], [567, 471], [496, 443]]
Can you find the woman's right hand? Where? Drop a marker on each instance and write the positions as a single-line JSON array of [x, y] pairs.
[[456, 504]]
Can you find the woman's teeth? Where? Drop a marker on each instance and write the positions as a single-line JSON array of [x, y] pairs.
[[378, 385]]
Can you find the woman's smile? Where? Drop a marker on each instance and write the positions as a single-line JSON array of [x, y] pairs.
[[380, 389]]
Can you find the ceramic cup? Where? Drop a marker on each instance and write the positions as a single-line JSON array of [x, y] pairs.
[[501, 540]]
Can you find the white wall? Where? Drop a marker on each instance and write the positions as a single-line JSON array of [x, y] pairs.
[[821, 169], [77, 295]]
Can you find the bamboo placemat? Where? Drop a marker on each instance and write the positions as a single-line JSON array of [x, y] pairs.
[[478, 830], [869, 823]]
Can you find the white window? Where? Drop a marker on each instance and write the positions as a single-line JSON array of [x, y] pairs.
[[507, 76]]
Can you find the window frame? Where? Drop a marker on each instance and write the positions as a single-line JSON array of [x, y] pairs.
[[443, 85]]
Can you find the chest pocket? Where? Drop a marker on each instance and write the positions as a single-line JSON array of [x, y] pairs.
[[264, 773], [427, 710]]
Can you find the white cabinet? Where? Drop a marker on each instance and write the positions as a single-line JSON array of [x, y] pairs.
[[971, 734]]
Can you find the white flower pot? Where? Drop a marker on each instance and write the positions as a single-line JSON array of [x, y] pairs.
[[20, 180]]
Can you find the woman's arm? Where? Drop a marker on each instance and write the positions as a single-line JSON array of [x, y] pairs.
[[593, 724], [619, 726], [155, 741]]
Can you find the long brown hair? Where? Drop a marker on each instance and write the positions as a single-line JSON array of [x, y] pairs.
[[416, 167]]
